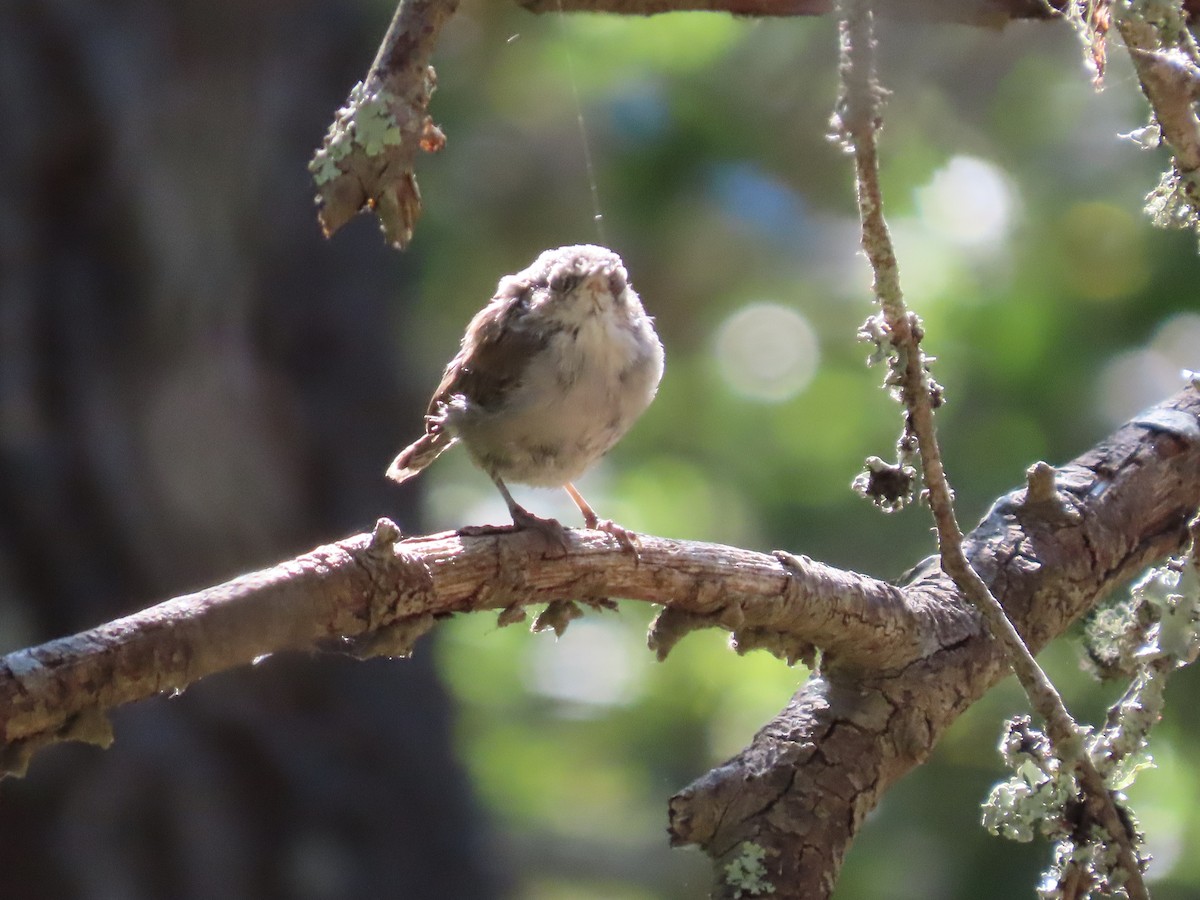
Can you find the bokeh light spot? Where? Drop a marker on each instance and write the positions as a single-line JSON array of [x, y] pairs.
[[759, 202], [1138, 378], [969, 202], [767, 352], [1103, 251], [594, 665]]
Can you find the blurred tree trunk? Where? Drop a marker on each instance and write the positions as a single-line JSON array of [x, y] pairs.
[[192, 383]]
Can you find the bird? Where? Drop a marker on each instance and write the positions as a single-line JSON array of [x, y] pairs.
[[551, 374]]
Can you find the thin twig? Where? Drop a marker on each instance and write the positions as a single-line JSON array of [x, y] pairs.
[[1168, 74], [918, 392], [1167, 62]]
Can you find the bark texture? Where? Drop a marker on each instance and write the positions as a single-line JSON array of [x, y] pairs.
[[803, 787]]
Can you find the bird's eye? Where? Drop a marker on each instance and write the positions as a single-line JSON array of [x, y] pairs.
[[562, 282], [617, 282]]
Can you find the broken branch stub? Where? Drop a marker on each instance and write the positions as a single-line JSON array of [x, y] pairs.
[[367, 158]]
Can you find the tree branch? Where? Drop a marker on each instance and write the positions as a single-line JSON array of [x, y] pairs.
[[754, 8], [366, 160], [1167, 61], [374, 595], [798, 794], [985, 13], [900, 665]]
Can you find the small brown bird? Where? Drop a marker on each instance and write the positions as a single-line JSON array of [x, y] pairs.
[[551, 374]]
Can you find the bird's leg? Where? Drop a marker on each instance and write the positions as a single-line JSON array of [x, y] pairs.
[[591, 520], [550, 529]]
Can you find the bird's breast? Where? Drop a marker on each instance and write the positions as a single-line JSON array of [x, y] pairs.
[[574, 401]]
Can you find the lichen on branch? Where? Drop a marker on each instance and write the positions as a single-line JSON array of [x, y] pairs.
[[368, 156]]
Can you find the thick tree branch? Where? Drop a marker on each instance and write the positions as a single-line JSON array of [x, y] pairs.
[[755, 8], [978, 12], [374, 594], [799, 793]]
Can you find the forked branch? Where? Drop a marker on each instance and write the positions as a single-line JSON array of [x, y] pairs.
[[901, 663]]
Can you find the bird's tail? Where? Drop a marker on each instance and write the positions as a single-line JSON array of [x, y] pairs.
[[418, 455]]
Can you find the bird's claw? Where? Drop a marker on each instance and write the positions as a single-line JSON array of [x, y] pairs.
[[626, 538], [551, 530]]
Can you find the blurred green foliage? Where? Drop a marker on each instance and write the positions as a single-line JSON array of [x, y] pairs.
[[1018, 216]]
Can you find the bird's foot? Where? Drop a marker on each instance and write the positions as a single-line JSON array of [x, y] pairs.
[[624, 536], [551, 530]]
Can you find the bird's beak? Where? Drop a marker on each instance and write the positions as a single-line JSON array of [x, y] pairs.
[[596, 285]]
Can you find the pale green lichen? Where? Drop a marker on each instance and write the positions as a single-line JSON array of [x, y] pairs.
[[375, 126], [1165, 15], [1145, 637], [324, 166], [747, 874], [1175, 592], [1034, 800], [1156, 626], [367, 122], [1172, 204], [1148, 137], [1112, 636]]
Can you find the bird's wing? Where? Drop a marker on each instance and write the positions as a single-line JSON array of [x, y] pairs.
[[495, 352]]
